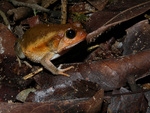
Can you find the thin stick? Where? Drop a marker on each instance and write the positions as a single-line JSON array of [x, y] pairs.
[[4, 18], [32, 74], [64, 11]]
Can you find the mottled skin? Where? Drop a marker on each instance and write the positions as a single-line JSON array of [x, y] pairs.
[[45, 42]]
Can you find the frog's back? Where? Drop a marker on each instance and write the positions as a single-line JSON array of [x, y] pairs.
[[39, 34]]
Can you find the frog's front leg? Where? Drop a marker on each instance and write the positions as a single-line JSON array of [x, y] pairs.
[[50, 66]]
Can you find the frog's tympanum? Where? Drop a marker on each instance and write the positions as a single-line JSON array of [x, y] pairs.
[[45, 42]]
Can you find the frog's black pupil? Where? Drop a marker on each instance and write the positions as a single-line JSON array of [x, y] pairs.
[[70, 34]]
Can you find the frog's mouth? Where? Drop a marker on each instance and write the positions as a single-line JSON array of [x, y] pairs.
[[67, 48], [70, 46]]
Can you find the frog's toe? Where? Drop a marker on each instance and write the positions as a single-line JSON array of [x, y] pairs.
[[65, 69], [65, 74], [61, 71]]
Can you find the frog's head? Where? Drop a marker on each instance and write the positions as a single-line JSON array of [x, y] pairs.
[[73, 35]]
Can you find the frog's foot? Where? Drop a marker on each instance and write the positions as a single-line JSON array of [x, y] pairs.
[[61, 71], [25, 62], [19, 61]]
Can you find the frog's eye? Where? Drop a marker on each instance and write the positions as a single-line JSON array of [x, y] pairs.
[[70, 34]]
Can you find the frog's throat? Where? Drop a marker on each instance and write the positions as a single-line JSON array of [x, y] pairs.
[[55, 56]]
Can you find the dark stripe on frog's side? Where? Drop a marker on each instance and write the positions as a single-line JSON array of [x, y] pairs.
[[50, 44]]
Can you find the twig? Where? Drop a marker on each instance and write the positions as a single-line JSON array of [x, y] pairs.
[[64, 11], [5, 19], [93, 47], [32, 74], [33, 6]]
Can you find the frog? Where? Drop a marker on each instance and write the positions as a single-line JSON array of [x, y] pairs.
[[46, 42]]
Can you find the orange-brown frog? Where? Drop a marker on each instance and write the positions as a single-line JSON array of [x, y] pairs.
[[45, 42]]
